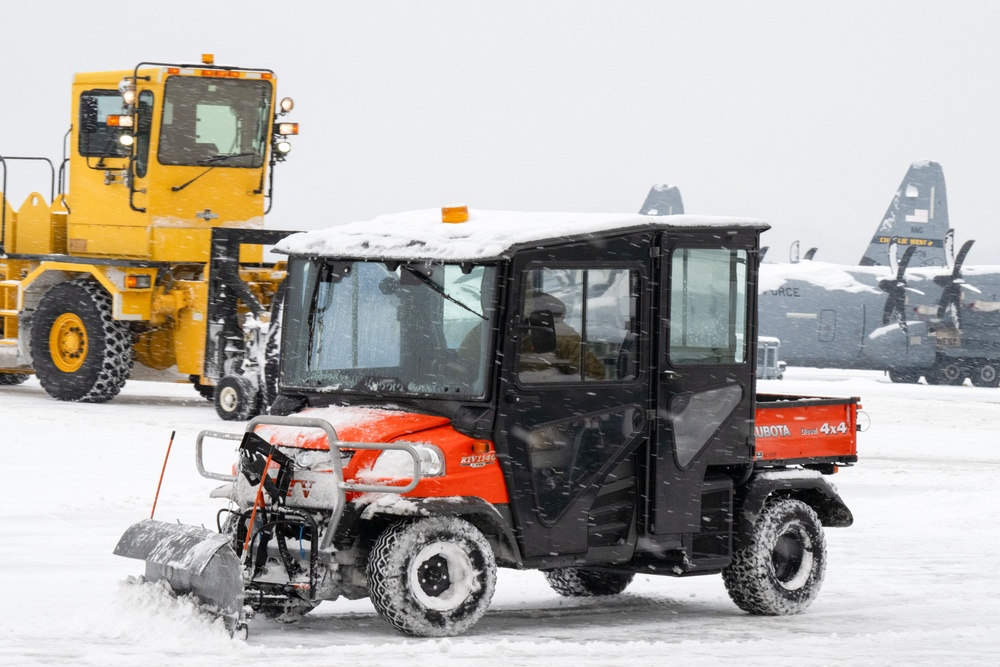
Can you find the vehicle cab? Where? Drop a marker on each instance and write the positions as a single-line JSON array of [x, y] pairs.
[[605, 359]]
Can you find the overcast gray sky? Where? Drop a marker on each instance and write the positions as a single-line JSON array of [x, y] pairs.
[[805, 114]]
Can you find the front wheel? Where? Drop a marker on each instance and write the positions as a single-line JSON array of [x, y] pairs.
[[236, 399], [432, 577], [578, 582], [780, 571], [80, 352], [986, 374]]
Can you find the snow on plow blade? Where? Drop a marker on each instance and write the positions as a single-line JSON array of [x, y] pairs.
[[192, 560]]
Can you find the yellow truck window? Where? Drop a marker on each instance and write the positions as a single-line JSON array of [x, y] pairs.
[[211, 121]]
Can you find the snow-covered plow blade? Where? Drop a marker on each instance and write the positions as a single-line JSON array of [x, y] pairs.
[[192, 560]]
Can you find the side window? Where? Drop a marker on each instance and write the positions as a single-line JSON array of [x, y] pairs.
[[97, 139], [578, 325], [708, 306]]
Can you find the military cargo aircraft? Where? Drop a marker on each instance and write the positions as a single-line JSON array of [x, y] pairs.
[[910, 307]]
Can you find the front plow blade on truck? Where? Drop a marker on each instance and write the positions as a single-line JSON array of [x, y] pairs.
[[192, 560]]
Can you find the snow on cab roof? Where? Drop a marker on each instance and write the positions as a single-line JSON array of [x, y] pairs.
[[485, 235]]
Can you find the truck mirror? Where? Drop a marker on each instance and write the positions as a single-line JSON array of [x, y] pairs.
[[542, 331]]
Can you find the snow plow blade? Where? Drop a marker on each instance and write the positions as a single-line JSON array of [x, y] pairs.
[[192, 560]]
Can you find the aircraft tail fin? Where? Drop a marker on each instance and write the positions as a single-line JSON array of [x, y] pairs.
[[917, 216], [663, 199]]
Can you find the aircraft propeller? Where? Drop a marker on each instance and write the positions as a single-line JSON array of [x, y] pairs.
[[895, 289], [951, 288]]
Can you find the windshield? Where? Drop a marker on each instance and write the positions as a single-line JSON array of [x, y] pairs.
[[389, 328], [211, 121]]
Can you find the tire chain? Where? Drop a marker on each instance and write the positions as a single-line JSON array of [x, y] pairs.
[[116, 365]]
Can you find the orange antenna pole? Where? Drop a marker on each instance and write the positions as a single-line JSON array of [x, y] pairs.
[[160, 483], [258, 500]]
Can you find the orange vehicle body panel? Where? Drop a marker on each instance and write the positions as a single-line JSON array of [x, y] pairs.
[[806, 428], [467, 473]]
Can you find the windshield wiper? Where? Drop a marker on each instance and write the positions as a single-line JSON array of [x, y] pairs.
[[212, 161], [440, 290]]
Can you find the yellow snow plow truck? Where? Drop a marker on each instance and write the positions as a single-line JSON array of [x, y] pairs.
[[153, 254]]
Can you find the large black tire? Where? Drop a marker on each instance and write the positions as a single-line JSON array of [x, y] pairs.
[[578, 582], [432, 577], [946, 373], [904, 376], [79, 351], [236, 399], [781, 570], [12, 378], [985, 373]]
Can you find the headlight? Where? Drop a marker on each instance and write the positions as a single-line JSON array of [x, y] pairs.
[[396, 464], [283, 147], [286, 104], [126, 87]]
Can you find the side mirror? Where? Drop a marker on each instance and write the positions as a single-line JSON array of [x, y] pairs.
[[542, 331]]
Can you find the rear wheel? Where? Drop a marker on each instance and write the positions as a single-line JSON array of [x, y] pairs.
[[80, 352], [433, 577], [986, 373], [780, 571], [236, 399], [577, 582], [946, 373]]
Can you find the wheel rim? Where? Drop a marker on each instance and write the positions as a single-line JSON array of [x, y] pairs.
[[442, 576], [68, 343], [951, 373], [988, 373], [229, 399], [792, 558]]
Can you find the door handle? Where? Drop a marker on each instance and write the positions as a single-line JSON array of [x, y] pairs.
[[521, 398]]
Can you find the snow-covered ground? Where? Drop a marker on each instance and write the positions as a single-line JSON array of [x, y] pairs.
[[914, 582]]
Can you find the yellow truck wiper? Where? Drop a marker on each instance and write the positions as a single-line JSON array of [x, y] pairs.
[[211, 161]]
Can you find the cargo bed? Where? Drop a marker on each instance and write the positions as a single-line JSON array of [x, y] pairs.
[[805, 430]]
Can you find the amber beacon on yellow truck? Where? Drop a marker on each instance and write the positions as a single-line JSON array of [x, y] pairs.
[[153, 254]]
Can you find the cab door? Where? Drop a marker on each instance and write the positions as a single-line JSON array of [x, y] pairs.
[[574, 396], [705, 377]]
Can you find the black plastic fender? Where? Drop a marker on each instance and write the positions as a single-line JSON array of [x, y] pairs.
[[806, 485], [493, 521]]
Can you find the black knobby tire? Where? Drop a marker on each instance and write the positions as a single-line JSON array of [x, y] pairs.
[[578, 582], [12, 378], [986, 373], [79, 351], [432, 577], [236, 399], [780, 571]]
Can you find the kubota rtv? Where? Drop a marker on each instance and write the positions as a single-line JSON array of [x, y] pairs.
[[568, 392]]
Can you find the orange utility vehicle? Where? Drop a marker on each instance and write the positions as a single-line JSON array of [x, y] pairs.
[[461, 391]]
